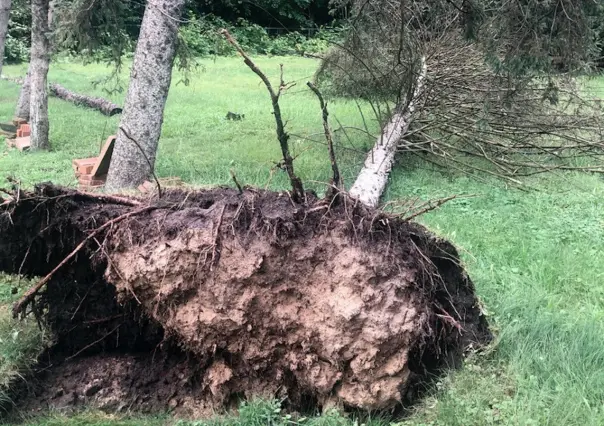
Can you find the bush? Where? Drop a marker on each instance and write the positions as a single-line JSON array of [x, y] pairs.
[[202, 38], [199, 35], [15, 49]]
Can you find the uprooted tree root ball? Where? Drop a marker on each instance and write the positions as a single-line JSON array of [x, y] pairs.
[[206, 297]]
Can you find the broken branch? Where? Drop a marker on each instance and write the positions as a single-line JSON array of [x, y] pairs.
[[336, 182], [130, 138], [282, 136], [429, 206]]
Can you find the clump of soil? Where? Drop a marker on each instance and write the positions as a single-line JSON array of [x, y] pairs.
[[211, 296]]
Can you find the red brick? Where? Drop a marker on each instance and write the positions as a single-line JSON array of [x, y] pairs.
[[23, 144], [80, 165], [90, 180]]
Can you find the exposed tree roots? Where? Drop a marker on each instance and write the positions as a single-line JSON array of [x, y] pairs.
[[208, 297]]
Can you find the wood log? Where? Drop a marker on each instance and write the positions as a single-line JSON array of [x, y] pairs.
[[373, 177], [16, 80], [105, 106]]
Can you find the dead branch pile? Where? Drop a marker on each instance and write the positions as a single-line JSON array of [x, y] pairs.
[[513, 128], [328, 303], [489, 103]]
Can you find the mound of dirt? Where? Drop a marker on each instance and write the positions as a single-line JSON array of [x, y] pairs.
[[241, 295]]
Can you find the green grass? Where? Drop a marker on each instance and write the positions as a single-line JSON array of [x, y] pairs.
[[20, 341], [537, 258], [198, 143]]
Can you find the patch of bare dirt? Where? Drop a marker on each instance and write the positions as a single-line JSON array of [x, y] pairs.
[[328, 303]]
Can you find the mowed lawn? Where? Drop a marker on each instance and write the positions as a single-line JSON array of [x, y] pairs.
[[536, 257]]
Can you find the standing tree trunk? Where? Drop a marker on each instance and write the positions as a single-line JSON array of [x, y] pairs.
[[22, 111], [133, 160], [40, 61], [373, 177], [4, 15]]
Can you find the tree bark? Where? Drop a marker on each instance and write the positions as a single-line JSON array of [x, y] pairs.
[[103, 105], [4, 16], [132, 163], [22, 111], [40, 62], [373, 177]]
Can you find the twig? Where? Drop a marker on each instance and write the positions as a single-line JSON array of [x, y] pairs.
[[159, 194], [336, 183], [100, 320], [117, 271], [108, 198], [217, 235], [29, 295], [282, 136], [93, 343], [236, 181], [429, 206]]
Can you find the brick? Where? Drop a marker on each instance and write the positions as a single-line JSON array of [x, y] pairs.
[[23, 144], [90, 180], [104, 158], [86, 187], [85, 169], [23, 131], [82, 164]]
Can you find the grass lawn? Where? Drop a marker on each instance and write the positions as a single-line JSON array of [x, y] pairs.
[[537, 258]]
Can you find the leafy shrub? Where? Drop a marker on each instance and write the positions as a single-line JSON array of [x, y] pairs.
[[202, 38], [16, 47], [199, 35]]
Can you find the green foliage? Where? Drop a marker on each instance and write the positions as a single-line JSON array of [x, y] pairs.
[[524, 36], [16, 48], [20, 341], [96, 30], [106, 30], [201, 37], [276, 13]]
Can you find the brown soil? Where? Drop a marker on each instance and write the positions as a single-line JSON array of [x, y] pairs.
[[213, 296]]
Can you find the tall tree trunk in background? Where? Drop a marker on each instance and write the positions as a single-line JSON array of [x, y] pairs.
[[4, 15], [133, 160], [38, 69], [22, 111]]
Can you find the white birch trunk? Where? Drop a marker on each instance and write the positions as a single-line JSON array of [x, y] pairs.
[[4, 18], [373, 177], [132, 162], [38, 69]]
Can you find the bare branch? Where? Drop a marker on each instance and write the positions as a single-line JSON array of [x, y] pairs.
[[151, 169], [282, 136], [335, 183]]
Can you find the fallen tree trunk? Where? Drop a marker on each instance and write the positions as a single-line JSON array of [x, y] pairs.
[[373, 177], [16, 80], [315, 304], [105, 106]]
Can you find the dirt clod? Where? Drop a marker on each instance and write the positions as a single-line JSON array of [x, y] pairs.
[[214, 296]]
